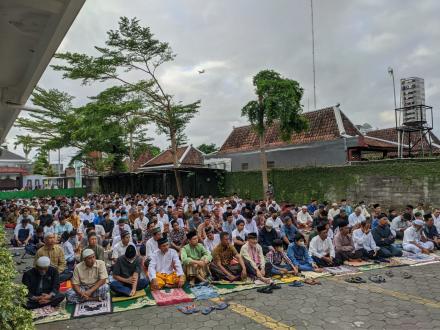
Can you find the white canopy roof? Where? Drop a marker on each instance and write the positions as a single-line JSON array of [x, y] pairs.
[[30, 33]]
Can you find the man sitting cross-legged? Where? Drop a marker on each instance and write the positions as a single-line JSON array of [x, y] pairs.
[[279, 261], [415, 241], [127, 274], [165, 268], [364, 242], [384, 238], [195, 259], [89, 282], [253, 256], [300, 257], [227, 263], [344, 246], [43, 283], [322, 249]]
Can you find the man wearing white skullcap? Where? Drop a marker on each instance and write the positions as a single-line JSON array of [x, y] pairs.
[[89, 282], [43, 284], [414, 241]]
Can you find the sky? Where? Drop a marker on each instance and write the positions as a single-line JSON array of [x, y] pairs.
[[232, 40]]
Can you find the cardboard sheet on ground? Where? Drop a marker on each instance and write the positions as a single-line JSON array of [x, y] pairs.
[[341, 270], [171, 297], [357, 263], [138, 294], [90, 308], [367, 268], [313, 275]]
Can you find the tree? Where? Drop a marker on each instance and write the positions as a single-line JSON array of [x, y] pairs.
[[207, 148], [278, 102], [41, 164], [27, 142], [94, 127], [132, 51], [141, 148]]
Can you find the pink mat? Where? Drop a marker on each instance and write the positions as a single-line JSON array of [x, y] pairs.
[[172, 297]]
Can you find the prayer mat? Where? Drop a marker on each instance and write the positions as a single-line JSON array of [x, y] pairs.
[[357, 263], [313, 275], [341, 270], [224, 282], [138, 294], [122, 306], [367, 268], [50, 314], [230, 288], [289, 279], [204, 292], [170, 297], [93, 308], [64, 286], [426, 263]]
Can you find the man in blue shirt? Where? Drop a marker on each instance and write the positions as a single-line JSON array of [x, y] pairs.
[[288, 231], [313, 206]]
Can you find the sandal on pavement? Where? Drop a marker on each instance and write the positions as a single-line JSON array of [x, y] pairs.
[[266, 289], [221, 306], [189, 309], [207, 310], [296, 284], [377, 279], [389, 273], [274, 286], [406, 275]]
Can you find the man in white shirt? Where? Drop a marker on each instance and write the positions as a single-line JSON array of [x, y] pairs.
[[211, 240], [121, 246], [355, 219], [321, 248], [87, 215], [277, 222], [163, 217], [400, 223], [250, 225], [334, 211], [303, 218], [165, 268], [141, 222], [414, 241], [363, 240], [436, 218], [120, 227], [239, 235], [23, 233], [151, 245]]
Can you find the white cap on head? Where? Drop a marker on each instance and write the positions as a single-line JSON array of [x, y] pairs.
[[88, 253], [43, 262], [269, 223], [418, 222]]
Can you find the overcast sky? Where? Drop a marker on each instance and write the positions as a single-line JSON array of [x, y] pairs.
[[356, 41]]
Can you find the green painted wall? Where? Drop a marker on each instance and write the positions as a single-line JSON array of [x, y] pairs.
[[71, 192], [389, 182]]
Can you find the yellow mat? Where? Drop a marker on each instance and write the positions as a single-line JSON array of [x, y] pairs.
[[138, 294]]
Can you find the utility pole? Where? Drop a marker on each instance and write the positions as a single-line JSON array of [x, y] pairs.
[[399, 138], [313, 54]]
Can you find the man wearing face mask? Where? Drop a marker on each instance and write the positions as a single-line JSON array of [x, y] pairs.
[[126, 274], [415, 241], [43, 284]]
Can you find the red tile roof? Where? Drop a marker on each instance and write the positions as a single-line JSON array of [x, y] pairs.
[[322, 127], [390, 134], [7, 170], [192, 157]]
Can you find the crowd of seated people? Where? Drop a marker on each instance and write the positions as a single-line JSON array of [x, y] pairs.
[[159, 241]]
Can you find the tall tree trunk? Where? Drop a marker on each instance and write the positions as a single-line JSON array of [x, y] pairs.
[[176, 163], [263, 161], [131, 152]]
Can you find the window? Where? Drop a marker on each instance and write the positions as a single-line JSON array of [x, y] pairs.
[[244, 166], [270, 164]]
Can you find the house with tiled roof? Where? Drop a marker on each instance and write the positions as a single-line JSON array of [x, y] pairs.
[[188, 157], [13, 168], [330, 135], [331, 139]]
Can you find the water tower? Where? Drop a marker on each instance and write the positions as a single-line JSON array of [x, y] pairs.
[[414, 119]]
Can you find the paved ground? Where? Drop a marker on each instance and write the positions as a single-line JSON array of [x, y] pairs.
[[397, 304]]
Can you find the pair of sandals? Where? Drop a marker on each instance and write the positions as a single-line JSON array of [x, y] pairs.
[[405, 275], [357, 280], [269, 288], [193, 309], [377, 279], [296, 284]]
